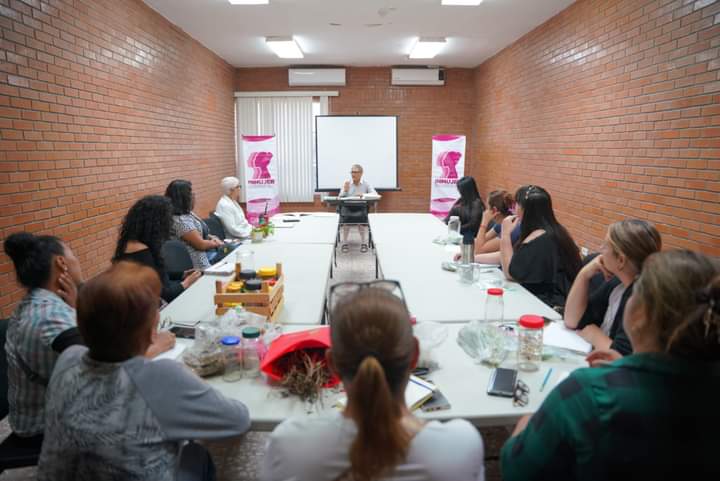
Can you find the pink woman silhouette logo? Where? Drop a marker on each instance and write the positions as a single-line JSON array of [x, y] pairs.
[[259, 162], [448, 160]]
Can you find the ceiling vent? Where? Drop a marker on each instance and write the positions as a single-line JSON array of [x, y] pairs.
[[418, 76], [304, 77]]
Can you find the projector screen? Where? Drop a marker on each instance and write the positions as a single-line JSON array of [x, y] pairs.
[[344, 140]]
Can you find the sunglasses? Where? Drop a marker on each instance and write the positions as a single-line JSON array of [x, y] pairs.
[[521, 394], [342, 290]]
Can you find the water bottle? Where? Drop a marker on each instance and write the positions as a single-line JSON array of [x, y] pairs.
[[467, 251], [453, 228], [494, 305]]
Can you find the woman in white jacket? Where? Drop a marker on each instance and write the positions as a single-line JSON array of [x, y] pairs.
[[229, 211]]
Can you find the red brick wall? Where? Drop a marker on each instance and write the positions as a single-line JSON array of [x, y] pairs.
[[422, 111], [102, 101], [614, 106]]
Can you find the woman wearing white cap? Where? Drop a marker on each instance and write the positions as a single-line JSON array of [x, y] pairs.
[[229, 211]]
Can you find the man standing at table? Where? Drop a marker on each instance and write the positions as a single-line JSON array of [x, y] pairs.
[[355, 214]]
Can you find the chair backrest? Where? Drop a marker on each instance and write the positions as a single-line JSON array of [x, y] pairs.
[[215, 226], [4, 407], [177, 258]]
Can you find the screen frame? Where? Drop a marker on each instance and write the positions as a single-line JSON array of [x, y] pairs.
[[397, 152]]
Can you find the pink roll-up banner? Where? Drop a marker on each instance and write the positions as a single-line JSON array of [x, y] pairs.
[[448, 165], [261, 185]]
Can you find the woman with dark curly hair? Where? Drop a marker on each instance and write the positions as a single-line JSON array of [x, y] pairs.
[[144, 230]]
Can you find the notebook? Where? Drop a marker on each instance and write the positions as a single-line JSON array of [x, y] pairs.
[[222, 268], [417, 392], [557, 335]]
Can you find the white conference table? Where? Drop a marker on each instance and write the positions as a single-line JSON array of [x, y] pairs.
[[310, 228], [306, 268], [434, 294], [462, 381]]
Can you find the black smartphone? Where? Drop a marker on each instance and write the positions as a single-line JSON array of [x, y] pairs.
[[502, 382], [437, 402], [183, 332]]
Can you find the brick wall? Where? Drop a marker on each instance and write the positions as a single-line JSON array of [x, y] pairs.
[[614, 106], [422, 111], [102, 101]]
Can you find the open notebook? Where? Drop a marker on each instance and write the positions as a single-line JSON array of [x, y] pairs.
[[417, 392]]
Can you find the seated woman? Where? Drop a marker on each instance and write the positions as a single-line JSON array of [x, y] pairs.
[[41, 327], [500, 205], [229, 211], [545, 259], [599, 314], [113, 414], [469, 208], [376, 437], [188, 227], [144, 230], [641, 416]]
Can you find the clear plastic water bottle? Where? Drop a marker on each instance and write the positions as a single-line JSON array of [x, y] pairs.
[[232, 355], [494, 305], [253, 350]]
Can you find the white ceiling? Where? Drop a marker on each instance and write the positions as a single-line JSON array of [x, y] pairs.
[[371, 32]]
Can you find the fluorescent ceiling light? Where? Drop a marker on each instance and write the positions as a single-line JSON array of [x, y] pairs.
[[462, 3], [427, 47], [250, 2], [284, 47]]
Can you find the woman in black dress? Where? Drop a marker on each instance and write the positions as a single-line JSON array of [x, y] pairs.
[[469, 208], [144, 230], [545, 259]]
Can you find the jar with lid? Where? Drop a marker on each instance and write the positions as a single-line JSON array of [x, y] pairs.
[[232, 356], [494, 305], [530, 342], [253, 350]]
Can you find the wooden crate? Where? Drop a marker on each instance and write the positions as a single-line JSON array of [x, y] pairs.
[[268, 301]]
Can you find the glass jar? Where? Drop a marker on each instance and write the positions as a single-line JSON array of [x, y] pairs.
[[252, 351], [232, 356], [453, 228], [246, 259], [530, 342], [494, 305]]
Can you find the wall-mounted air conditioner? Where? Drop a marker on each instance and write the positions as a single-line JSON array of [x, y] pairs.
[[302, 77], [418, 76]]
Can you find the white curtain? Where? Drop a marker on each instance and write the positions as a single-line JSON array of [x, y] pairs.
[[291, 120]]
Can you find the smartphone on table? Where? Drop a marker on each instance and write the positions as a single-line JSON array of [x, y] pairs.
[[502, 382]]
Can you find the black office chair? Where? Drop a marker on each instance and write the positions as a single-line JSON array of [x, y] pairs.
[[177, 259], [215, 226], [14, 450], [353, 212]]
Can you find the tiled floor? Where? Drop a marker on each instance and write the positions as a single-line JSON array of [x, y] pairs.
[[240, 461]]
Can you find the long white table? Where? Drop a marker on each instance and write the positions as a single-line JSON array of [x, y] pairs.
[[310, 228], [462, 381], [434, 294], [305, 267], [406, 252]]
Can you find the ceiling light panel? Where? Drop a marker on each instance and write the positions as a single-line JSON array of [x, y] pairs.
[[284, 47], [461, 3], [427, 47]]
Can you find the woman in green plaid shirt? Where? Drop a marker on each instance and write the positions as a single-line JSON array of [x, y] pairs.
[[651, 415]]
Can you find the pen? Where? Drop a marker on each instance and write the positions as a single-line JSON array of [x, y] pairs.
[[547, 376]]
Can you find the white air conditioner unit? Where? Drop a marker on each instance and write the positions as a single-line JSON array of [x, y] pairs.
[[301, 77], [418, 76]]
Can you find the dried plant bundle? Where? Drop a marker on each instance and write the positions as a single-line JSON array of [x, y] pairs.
[[305, 373]]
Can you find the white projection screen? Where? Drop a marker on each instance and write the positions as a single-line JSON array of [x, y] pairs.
[[344, 140]]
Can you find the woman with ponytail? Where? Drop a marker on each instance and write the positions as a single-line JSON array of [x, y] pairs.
[[649, 415], [376, 437]]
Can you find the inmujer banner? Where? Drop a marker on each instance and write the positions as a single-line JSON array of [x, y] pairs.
[[448, 165], [261, 185]]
